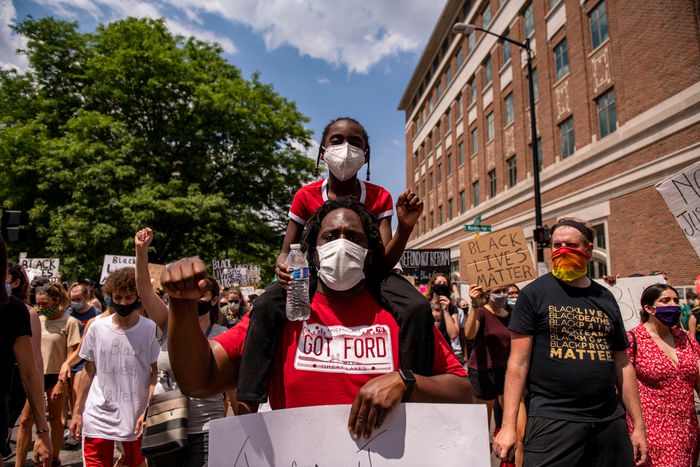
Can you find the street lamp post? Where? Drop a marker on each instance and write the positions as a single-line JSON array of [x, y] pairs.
[[464, 28]]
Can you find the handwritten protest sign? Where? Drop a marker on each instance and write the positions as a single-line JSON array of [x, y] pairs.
[[422, 264], [41, 267], [413, 434], [155, 271], [496, 259], [682, 195], [114, 262], [228, 273], [628, 293]]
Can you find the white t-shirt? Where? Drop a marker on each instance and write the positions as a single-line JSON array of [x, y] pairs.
[[119, 392]]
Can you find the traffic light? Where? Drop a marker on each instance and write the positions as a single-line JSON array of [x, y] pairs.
[[542, 236], [11, 223]]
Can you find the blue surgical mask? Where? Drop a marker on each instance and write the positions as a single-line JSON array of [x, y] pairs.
[[108, 301], [77, 306], [8, 288], [511, 302]]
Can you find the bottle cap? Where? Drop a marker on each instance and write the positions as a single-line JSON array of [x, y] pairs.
[[295, 246]]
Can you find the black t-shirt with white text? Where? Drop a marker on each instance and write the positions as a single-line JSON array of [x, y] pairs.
[[572, 365], [14, 323]]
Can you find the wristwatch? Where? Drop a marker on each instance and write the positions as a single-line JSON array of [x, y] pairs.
[[409, 380]]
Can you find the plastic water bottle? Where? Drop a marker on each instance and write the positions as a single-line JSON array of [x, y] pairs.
[[298, 291]]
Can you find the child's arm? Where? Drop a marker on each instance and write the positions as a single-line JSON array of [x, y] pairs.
[[408, 209], [293, 235]]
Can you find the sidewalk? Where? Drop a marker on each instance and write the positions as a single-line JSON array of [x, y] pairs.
[[71, 457]]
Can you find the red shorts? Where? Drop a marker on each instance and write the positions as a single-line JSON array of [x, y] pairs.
[[98, 452]]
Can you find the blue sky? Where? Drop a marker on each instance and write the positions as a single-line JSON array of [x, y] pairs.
[[332, 58]]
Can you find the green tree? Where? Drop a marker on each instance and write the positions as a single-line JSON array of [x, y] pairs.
[[131, 126]]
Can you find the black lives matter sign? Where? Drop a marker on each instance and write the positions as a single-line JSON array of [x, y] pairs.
[[422, 264], [497, 259]]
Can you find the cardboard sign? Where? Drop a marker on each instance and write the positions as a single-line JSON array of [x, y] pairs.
[[41, 267], [422, 264], [412, 434], [228, 273], [114, 262], [497, 259], [682, 195], [155, 271]]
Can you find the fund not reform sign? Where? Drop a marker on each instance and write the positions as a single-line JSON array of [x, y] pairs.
[[497, 259], [422, 264]]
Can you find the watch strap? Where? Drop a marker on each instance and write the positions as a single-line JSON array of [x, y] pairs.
[[409, 380]]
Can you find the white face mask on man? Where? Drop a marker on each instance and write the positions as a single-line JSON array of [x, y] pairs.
[[341, 264], [344, 160]]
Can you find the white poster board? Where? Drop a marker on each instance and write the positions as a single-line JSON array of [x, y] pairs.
[[628, 293], [41, 267], [114, 262], [412, 435], [681, 192]]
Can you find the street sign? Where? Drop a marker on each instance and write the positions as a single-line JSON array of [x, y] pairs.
[[477, 228]]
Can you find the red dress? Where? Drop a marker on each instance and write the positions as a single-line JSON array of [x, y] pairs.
[[666, 392]]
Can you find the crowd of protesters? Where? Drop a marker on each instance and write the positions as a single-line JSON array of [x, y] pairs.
[[82, 362]]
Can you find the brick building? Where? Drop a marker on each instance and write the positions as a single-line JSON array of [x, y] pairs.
[[617, 99]]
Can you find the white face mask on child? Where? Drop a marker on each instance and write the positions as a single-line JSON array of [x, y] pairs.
[[344, 160], [341, 264]]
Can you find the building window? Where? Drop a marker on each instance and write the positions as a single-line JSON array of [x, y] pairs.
[[459, 106], [475, 140], [600, 236], [471, 42], [462, 202], [512, 171], [529, 19], [486, 16], [487, 71], [432, 220], [607, 117], [450, 210], [439, 215], [492, 183], [424, 192], [475, 193], [566, 134], [430, 180], [439, 173], [429, 144], [438, 90], [506, 50], [535, 86], [437, 133], [561, 59], [449, 163], [490, 129], [448, 115], [599, 25], [461, 154], [472, 91], [458, 60], [448, 75], [509, 109]]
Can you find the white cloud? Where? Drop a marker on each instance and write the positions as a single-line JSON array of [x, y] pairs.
[[323, 80], [109, 10], [356, 35], [9, 41]]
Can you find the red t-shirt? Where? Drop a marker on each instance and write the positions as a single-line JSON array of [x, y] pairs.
[[327, 359], [310, 197]]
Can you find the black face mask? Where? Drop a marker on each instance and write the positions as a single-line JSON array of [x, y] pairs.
[[203, 307], [125, 310], [441, 289]]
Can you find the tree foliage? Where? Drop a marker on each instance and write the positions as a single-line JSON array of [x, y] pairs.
[[132, 126]]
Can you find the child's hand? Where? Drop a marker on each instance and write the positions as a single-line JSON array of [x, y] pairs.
[[282, 273], [408, 209]]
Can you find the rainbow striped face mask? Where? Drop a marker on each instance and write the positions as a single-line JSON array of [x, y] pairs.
[[569, 264]]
